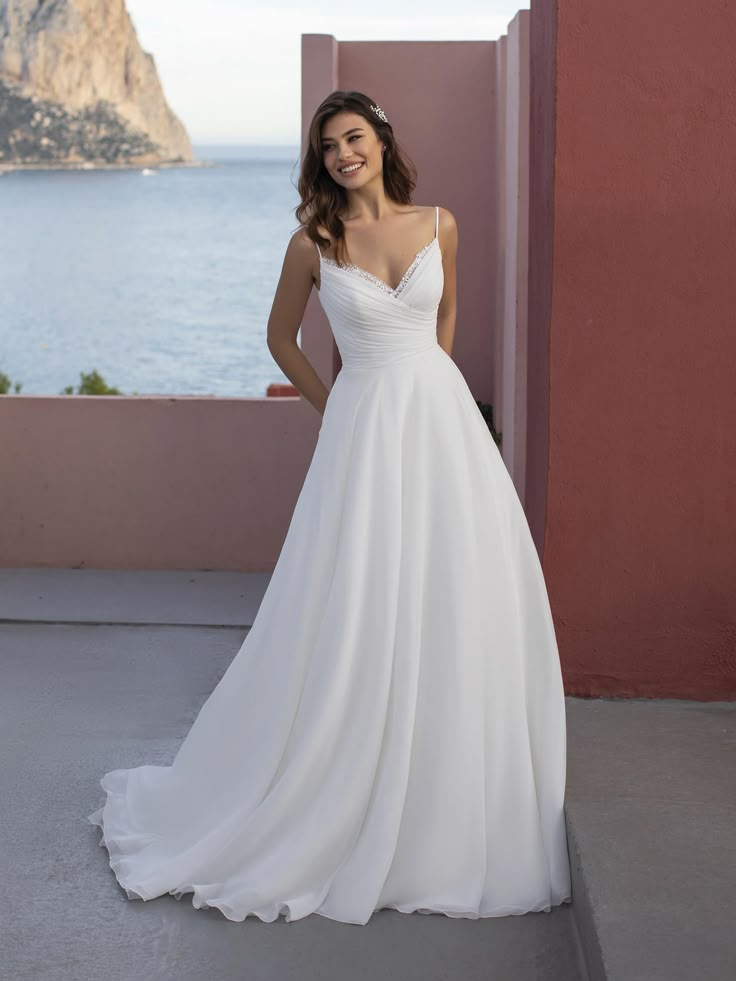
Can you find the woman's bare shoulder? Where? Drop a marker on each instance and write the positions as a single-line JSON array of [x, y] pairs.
[[303, 237], [301, 242], [447, 227], [447, 219]]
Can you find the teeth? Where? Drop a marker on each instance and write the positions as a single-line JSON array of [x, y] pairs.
[[348, 170]]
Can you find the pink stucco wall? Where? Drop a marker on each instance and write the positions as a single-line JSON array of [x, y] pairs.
[[436, 119], [511, 282], [542, 81], [640, 539], [464, 120], [118, 482], [179, 483]]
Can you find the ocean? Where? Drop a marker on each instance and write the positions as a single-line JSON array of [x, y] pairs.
[[162, 281]]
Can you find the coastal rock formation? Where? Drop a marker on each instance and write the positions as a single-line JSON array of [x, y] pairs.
[[76, 87]]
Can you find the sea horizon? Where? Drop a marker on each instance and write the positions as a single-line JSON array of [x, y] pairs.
[[160, 278]]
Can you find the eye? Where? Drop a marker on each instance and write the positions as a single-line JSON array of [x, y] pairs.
[[330, 146]]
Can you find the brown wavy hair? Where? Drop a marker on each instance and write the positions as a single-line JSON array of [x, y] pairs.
[[322, 199]]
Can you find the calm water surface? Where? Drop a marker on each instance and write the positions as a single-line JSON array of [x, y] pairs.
[[161, 282]]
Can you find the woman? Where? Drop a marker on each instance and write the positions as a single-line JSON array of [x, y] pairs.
[[391, 733]]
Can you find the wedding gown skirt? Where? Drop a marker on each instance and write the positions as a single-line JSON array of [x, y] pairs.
[[391, 732]]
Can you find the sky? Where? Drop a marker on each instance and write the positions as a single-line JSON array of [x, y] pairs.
[[231, 70]]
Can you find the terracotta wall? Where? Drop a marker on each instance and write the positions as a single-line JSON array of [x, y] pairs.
[[640, 536]]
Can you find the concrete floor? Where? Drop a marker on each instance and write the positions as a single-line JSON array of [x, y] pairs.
[[105, 669], [651, 814]]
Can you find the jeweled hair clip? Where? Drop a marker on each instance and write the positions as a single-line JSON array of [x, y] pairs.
[[379, 112]]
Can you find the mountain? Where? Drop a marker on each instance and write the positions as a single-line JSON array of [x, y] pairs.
[[76, 87]]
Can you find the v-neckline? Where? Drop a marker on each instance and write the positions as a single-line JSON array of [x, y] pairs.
[[372, 278]]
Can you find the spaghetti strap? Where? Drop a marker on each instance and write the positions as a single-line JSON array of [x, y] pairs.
[[318, 249], [436, 219]]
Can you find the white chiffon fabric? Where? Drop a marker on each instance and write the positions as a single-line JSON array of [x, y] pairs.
[[391, 733]]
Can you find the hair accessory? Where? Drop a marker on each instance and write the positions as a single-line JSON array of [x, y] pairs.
[[379, 112]]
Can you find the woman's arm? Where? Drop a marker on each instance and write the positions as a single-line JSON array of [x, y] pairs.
[[287, 311], [448, 304]]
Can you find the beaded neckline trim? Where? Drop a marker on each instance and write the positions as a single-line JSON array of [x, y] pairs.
[[376, 280]]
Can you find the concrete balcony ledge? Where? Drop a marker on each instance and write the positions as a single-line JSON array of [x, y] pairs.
[[123, 596], [104, 669]]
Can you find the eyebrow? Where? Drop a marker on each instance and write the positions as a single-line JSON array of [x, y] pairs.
[[353, 130]]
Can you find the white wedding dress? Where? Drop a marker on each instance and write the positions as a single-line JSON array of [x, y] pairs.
[[391, 732]]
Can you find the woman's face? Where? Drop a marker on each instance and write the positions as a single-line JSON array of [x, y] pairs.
[[351, 151]]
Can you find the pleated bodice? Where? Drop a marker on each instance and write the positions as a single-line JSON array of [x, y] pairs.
[[374, 324]]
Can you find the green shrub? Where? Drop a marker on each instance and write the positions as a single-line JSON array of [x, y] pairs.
[[486, 410], [92, 383], [5, 384]]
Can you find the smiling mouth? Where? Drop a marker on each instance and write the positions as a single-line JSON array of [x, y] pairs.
[[354, 170]]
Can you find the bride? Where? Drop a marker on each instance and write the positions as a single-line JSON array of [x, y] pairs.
[[391, 733]]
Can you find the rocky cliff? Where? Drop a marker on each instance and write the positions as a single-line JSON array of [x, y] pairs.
[[76, 87]]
